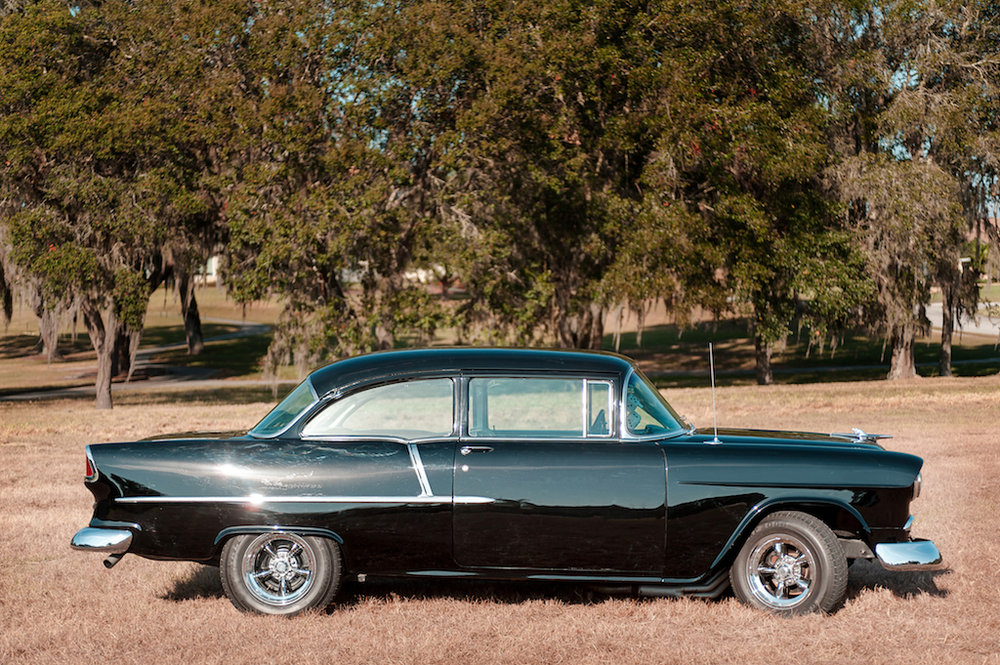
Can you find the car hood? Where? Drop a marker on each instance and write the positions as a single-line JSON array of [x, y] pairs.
[[733, 435]]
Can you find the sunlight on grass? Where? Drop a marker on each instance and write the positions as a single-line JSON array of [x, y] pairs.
[[58, 603]]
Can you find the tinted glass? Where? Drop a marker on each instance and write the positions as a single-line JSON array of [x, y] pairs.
[[599, 408], [287, 410], [408, 410], [518, 407], [645, 411]]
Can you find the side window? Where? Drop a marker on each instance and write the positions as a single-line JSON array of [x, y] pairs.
[[645, 411], [408, 410], [599, 408], [530, 407]]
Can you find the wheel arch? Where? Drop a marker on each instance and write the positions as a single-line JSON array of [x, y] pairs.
[[229, 532], [838, 516]]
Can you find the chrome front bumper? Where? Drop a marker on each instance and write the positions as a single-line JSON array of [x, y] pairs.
[[909, 555], [112, 541]]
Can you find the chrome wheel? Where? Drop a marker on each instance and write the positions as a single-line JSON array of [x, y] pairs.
[[779, 570], [280, 572], [278, 568], [792, 563]]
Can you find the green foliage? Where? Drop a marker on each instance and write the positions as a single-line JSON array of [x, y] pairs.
[[792, 161]]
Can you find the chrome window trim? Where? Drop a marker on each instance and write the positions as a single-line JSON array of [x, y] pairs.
[[587, 382], [388, 438], [466, 405], [623, 408], [473, 440]]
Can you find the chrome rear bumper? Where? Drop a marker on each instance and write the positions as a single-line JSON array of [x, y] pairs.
[[91, 539], [909, 555]]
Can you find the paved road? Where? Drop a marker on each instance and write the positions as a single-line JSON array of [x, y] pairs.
[[986, 323]]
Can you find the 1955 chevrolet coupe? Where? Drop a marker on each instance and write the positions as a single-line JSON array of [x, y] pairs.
[[505, 464]]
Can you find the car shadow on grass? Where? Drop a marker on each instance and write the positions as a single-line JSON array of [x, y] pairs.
[[866, 575], [476, 591], [199, 582], [204, 582]]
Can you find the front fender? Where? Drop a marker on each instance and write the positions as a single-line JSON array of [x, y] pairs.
[[820, 508]]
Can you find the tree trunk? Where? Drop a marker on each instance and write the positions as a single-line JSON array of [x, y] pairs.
[[384, 337], [596, 327], [6, 298], [582, 330], [902, 364], [948, 306], [765, 376], [102, 338], [192, 318], [48, 331], [121, 356]]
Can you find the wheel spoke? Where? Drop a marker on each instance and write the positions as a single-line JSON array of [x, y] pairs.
[[765, 570], [779, 549], [781, 589], [802, 583], [278, 572]]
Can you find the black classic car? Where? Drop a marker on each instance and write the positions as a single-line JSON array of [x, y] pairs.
[[505, 464]]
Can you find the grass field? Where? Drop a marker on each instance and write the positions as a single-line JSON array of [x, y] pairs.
[[61, 606]]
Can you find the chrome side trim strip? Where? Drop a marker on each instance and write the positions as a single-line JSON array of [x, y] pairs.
[[257, 499], [418, 467]]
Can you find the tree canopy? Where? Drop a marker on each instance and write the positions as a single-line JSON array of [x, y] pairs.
[[797, 161]]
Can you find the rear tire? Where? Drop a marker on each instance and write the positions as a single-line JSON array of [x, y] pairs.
[[280, 572], [792, 563]]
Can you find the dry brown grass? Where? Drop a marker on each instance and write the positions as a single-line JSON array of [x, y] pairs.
[[60, 606]]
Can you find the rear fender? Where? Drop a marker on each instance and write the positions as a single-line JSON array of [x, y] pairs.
[[228, 533]]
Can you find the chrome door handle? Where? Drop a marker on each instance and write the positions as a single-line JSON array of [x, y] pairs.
[[465, 450]]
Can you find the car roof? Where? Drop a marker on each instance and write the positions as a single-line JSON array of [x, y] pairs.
[[389, 364]]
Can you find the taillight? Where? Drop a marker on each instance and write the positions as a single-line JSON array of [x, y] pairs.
[[91, 468]]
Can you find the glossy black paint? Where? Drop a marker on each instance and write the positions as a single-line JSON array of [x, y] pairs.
[[668, 510], [579, 504]]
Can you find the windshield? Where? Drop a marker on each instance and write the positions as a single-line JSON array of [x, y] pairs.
[[646, 412], [286, 412]]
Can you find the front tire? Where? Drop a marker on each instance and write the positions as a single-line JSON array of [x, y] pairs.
[[792, 563], [280, 572]]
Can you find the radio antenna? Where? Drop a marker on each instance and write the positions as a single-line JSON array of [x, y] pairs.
[[715, 415]]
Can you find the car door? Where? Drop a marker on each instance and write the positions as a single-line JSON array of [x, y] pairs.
[[566, 493]]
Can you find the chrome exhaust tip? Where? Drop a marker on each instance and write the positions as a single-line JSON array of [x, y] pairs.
[[112, 560]]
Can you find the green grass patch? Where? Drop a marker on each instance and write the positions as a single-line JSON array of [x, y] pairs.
[[678, 357], [165, 335], [240, 357]]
